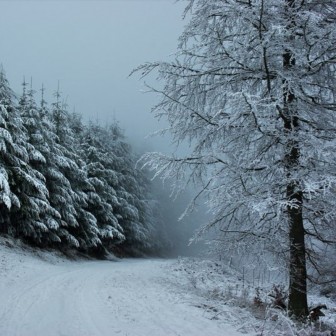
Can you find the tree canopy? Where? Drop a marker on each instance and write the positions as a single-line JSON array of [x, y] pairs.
[[252, 89]]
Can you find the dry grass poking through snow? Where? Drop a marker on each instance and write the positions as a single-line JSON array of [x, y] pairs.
[[223, 295]]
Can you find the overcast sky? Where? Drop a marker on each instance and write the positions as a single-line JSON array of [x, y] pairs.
[[91, 47]]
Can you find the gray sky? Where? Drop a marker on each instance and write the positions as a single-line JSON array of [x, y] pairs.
[[91, 47]]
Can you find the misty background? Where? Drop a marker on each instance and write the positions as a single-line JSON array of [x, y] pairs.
[[90, 48]]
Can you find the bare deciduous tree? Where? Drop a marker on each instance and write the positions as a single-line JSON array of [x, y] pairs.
[[252, 89]]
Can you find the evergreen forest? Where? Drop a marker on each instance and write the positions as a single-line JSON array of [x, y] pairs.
[[66, 185]]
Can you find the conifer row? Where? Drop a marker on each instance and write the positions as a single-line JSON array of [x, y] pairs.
[[64, 184]]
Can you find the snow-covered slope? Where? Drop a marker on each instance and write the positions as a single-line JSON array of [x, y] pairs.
[[42, 294], [227, 296]]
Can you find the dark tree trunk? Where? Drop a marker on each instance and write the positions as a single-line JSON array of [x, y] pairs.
[[297, 300]]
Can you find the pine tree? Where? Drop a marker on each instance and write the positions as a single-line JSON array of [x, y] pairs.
[[44, 217], [7, 152], [88, 231], [59, 189], [24, 182], [103, 201], [133, 194], [66, 181]]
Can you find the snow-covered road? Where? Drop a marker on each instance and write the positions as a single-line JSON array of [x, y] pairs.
[[93, 298]]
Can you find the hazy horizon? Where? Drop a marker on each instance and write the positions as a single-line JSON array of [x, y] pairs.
[[90, 48]]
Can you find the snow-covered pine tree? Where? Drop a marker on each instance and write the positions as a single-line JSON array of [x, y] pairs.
[[7, 151], [132, 190], [59, 187], [103, 201], [80, 223], [253, 91], [44, 217], [88, 231], [25, 183]]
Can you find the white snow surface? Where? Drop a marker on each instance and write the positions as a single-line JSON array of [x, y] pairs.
[[42, 294]]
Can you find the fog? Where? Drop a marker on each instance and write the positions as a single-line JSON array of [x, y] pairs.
[[90, 48]]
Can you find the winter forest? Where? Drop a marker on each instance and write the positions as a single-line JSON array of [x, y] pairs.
[[247, 102], [69, 185]]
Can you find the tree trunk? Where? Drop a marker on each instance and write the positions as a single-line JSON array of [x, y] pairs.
[[297, 300]]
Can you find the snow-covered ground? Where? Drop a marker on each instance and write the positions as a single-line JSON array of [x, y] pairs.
[[225, 295], [44, 294]]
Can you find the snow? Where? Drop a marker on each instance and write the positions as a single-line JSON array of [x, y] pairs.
[[228, 296], [44, 294]]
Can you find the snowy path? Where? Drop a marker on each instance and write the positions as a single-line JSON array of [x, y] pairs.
[[130, 297]]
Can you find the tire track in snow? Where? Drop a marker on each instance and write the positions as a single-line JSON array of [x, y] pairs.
[[100, 298]]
